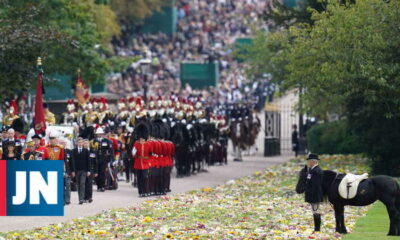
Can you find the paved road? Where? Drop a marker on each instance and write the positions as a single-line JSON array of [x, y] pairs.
[[127, 196]]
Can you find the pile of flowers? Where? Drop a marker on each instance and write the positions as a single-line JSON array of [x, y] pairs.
[[260, 206]]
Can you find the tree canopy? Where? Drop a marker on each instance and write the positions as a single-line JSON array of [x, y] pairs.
[[347, 63], [67, 34]]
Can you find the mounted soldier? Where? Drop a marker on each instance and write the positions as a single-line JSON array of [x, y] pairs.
[[71, 116]]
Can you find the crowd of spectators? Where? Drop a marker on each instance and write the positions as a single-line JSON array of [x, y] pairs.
[[206, 31]]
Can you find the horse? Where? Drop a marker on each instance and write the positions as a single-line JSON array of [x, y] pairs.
[[180, 137], [382, 188], [238, 135]]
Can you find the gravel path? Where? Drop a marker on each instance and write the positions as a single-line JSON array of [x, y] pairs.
[[127, 196]]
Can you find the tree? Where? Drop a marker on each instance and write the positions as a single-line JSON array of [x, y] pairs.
[[347, 62], [67, 34], [282, 16]]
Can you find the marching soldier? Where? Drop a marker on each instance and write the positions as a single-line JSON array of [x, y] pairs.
[[104, 152], [68, 167], [169, 163], [32, 153], [141, 153]]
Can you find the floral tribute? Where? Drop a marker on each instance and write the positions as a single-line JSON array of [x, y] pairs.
[[261, 206]]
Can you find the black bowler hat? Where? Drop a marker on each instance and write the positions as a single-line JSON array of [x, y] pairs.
[[313, 157]]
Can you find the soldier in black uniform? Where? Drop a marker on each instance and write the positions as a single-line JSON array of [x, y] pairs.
[[313, 191], [93, 168], [68, 166], [105, 155]]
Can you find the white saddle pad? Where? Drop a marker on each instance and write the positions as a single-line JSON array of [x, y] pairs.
[[349, 184]]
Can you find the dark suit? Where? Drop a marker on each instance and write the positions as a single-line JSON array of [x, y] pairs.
[[89, 180], [81, 165], [313, 193]]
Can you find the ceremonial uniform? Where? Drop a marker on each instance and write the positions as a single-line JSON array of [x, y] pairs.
[[105, 155], [152, 165], [68, 166], [9, 119], [93, 168], [55, 152], [70, 118], [157, 152], [141, 152], [50, 118], [89, 119], [170, 148], [36, 155]]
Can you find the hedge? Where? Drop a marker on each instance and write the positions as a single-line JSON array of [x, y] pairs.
[[332, 138]]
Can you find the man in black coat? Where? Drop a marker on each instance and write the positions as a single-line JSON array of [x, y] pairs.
[[313, 191], [81, 164]]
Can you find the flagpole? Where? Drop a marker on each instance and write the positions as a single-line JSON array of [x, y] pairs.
[[39, 65], [39, 123]]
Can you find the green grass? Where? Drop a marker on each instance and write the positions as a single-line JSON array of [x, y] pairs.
[[374, 226]]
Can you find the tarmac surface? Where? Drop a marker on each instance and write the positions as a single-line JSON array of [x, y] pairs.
[[126, 195]]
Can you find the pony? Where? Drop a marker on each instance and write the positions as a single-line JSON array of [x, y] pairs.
[[382, 188]]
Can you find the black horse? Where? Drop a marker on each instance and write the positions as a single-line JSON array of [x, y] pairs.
[[383, 188]]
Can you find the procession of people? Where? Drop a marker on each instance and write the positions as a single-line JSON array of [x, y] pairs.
[[140, 143]]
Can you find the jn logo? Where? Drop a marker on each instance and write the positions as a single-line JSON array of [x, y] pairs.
[[31, 188], [37, 185]]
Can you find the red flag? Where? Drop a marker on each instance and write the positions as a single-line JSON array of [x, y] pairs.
[[81, 91], [40, 123]]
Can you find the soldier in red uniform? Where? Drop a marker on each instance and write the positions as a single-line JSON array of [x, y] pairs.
[[163, 156], [169, 165], [141, 152], [157, 168], [153, 161]]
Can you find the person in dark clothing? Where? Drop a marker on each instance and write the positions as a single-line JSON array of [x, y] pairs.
[[102, 147], [313, 191], [68, 168], [93, 172], [295, 140], [81, 163], [11, 153]]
